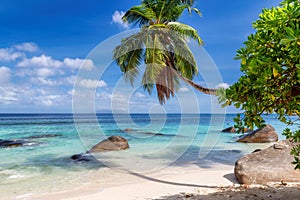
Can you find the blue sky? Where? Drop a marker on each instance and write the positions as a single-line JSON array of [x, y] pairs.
[[43, 44]]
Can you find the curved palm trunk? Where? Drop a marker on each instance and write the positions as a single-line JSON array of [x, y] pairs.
[[199, 87], [195, 85]]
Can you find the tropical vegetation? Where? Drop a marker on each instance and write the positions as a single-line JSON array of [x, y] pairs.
[[270, 62]]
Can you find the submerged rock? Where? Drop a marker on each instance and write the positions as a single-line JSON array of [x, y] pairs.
[[113, 143], [43, 136], [11, 143], [81, 157], [273, 164], [128, 130], [264, 135]]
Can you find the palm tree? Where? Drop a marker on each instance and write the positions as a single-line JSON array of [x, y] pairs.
[[161, 44]]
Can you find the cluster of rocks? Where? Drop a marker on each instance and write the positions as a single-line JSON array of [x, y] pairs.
[[264, 135]]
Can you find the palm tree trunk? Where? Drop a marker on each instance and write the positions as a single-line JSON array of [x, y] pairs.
[[195, 85]]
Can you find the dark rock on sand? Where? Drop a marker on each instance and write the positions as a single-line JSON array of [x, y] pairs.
[[268, 165], [113, 143], [264, 135], [11, 143]]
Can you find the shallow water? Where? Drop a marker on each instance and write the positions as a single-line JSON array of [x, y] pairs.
[[44, 164]]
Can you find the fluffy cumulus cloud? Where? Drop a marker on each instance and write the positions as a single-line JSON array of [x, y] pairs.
[[48, 61], [27, 46], [91, 84], [7, 55], [77, 63], [35, 80], [5, 74], [117, 19], [223, 85], [40, 61]]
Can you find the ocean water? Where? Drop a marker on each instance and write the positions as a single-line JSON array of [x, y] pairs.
[[156, 141]]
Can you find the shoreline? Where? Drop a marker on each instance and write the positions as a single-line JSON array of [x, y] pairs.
[[170, 180]]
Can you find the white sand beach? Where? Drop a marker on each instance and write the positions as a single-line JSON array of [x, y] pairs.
[[168, 181], [171, 183]]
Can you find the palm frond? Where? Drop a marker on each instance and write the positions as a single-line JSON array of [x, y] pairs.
[[141, 15], [129, 54], [185, 31]]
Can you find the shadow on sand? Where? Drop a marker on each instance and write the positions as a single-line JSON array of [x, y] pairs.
[[237, 193]]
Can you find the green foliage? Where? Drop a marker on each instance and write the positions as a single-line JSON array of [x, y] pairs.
[[270, 61]]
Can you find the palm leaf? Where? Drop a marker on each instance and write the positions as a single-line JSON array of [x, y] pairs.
[[185, 31], [141, 15]]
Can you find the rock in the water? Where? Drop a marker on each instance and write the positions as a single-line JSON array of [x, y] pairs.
[[128, 130], [229, 130], [264, 135], [10, 143], [113, 143], [81, 158], [273, 164], [43, 136], [233, 130]]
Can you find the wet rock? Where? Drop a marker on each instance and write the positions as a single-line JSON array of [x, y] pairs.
[[81, 157], [11, 143], [264, 135], [128, 130], [113, 143], [273, 164]]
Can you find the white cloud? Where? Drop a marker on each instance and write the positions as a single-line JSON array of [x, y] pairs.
[[183, 89], [41, 61], [76, 63], [9, 55], [139, 95], [7, 95], [48, 100], [223, 85], [5, 74], [44, 81], [89, 83], [44, 72], [117, 19], [49, 62], [28, 46]]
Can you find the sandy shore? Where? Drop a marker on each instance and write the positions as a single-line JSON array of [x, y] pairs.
[[168, 181], [188, 181], [176, 182]]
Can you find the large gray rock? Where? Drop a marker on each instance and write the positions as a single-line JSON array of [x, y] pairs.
[[264, 135], [268, 165], [113, 143]]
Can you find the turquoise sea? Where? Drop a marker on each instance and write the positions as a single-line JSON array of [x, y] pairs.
[[43, 163]]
